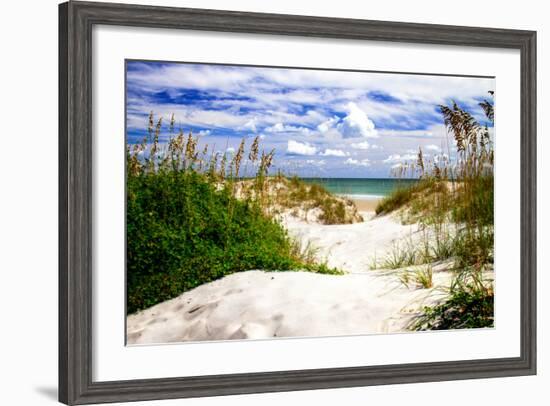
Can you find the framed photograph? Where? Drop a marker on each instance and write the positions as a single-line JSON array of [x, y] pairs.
[[259, 202]]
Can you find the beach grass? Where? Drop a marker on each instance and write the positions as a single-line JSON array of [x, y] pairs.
[[454, 203], [283, 193], [405, 194], [424, 277]]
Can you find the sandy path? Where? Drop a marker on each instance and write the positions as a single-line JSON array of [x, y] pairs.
[[354, 247], [257, 304]]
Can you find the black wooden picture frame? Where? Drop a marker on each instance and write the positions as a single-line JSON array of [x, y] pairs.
[[76, 20]]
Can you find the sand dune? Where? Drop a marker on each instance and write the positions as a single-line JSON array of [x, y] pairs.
[[257, 304]]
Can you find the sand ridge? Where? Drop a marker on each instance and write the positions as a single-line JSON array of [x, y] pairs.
[[260, 305]]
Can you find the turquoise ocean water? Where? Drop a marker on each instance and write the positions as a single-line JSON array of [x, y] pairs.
[[361, 188]]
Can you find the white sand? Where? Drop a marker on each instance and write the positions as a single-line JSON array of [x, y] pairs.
[[354, 247], [257, 304]]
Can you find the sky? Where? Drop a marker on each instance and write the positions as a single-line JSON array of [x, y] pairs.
[[320, 123]]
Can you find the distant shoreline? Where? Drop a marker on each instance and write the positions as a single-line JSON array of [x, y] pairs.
[[360, 189], [357, 196]]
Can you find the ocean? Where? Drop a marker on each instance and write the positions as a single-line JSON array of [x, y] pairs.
[[357, 188]]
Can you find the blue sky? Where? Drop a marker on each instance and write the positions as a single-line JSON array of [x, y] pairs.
[[320, 123]]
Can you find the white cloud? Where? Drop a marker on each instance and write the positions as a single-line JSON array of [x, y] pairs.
[[251, 124], [185, 116], [362, 145], [399, 158], [325, 126], [433, 89], [277, 128], [334, 152], [432, 147], [314, 162], [417, 94], [300, 148], [282, 128], [362, 162], [356, 123], [230, 150], [435, 132]]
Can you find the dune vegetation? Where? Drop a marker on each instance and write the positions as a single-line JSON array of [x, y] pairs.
[[453, 201], [307, 201], [190, 220]]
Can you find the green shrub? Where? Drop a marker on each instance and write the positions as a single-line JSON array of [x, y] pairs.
[[464, 309], [183, 232]]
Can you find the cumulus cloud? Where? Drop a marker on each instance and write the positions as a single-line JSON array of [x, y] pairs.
[[316, 163], [362, 162], [361, 145], [282, 128], [334, 152], [356, 123], [432, 147], [300, 148], [326, 125]]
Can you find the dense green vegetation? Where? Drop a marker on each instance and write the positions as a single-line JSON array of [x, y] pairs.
[[454, 202], [185, 227], [470, 305], [462, 310]]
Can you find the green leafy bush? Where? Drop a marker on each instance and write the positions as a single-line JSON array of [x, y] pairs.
[[183, 232], [464, 309]]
